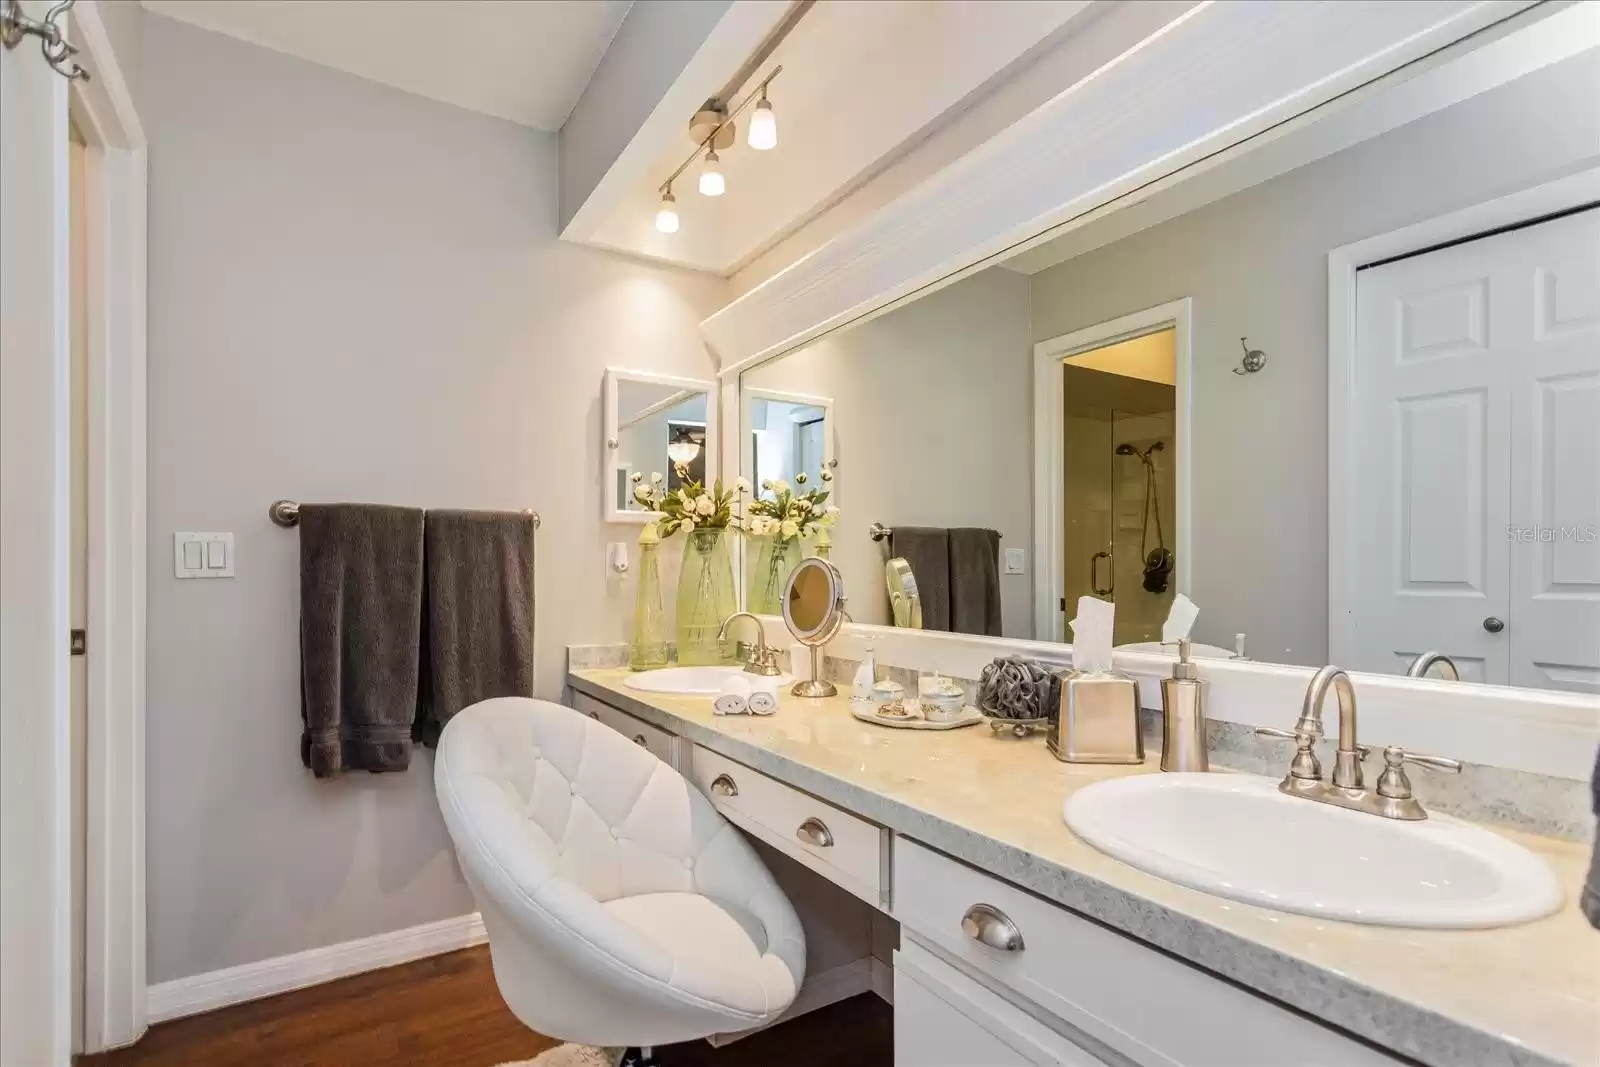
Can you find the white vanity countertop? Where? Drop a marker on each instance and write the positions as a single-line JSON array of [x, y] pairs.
[[1521, 995]]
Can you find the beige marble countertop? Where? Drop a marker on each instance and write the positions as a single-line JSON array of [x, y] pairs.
[[1519, 995]]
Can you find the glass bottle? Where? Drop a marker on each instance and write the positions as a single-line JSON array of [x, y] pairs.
[[705, 598], [648, 650]]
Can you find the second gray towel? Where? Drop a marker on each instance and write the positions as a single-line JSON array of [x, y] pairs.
[[975, 582], [478, 615], [927, 550]]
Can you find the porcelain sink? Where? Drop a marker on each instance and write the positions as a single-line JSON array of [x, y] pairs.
[[688, 681], [1236, 836]]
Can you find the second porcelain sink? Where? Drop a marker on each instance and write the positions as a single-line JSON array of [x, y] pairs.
[[1236, 836], [688, 681]]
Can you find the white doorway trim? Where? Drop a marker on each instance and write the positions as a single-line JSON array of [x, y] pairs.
[[1574, 190], [1049, 623], [114, 996]]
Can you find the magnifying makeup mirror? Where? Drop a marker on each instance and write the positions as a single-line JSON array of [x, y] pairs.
[[813, 609]]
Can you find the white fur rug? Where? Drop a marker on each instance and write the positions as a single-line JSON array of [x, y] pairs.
[[572, 1056]]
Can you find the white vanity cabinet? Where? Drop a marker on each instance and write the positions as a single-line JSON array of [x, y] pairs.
[[1102, 990], [662, 744]]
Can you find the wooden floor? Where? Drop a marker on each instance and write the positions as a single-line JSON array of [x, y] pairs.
[[446, 1012]]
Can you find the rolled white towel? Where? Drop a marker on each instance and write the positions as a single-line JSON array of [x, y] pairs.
[[734, 698], [763, 696]]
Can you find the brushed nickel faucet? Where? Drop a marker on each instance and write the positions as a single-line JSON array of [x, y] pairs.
[[1428, 660], [763, 658], [1392, 799]]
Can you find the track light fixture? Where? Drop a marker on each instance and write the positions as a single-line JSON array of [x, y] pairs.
[[713, 128], [763, 125], [711, 180], [667, 216]]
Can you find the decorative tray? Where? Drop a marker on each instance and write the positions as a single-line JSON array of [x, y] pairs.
[[970, 716], [1016, 727]]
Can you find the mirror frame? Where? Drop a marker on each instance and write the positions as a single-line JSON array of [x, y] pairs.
[[610, 442]]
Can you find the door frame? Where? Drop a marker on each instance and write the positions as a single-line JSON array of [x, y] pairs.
[[116, 171], [1479, 220], [1049, 623]]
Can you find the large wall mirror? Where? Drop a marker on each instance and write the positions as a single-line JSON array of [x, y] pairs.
[[1341, 389], [656, 426]]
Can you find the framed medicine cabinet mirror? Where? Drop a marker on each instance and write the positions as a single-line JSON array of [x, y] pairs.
[[660, 433]]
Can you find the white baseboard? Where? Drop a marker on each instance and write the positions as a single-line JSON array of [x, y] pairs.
[[252, 981], [820, 990], [882, 980]]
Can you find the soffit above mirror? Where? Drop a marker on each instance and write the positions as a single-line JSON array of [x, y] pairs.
[[861, 84]]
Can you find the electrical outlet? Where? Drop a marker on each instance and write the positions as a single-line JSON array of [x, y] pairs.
[[1016, 561]]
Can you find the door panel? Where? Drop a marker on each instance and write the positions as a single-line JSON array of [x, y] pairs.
[[1554, 627]]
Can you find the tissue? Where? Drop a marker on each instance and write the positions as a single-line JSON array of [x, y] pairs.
[[1180, 620], [1091, 635]]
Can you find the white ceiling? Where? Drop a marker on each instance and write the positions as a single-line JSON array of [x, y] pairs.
[[523, 60], [861, 84]]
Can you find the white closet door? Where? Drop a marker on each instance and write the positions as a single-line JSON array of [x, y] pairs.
[[1474, 409], [1554, 625]]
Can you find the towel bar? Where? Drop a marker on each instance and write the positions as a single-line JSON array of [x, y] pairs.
[[879, 532], [286, 513]]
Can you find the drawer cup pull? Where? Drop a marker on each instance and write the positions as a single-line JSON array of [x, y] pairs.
[[815, 832], [724, 786], [639, 740], [990, 926], [593, 714]]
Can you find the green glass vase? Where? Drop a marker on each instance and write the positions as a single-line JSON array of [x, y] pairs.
[[648, 650], [775, 558], [705, 599]]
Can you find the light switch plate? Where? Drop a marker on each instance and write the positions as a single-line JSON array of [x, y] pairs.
[[202, 555], [1016, 561]]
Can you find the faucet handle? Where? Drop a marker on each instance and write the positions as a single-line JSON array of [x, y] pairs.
[[1395, 783], [1305, 764]]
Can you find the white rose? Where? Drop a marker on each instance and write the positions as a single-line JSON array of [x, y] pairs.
[[635, 477], [657, 478], [779, 486], [688, 501], [790, 528], [688, 523], [740, 485], [705, 505], [833, 514]]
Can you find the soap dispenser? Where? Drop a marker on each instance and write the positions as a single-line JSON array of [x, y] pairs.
[[866, 677], [1183, 715]]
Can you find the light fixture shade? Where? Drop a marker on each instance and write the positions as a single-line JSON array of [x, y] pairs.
[[667, 217], [711, 181], [763, 127]]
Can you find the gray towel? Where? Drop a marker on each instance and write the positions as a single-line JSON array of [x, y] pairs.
[[360, 628], [478, 616], [927, 550], [975, 582], [1589, 899]]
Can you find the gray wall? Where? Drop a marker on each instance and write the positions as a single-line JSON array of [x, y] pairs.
[[933, 405], [355, 293], [1256, 264]]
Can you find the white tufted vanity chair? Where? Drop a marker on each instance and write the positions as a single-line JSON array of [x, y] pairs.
[[621, 908]]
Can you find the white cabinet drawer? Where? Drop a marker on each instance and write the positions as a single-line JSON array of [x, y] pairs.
[[942, 1018], [1136, 1000], [843, 848], [661, 743]]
